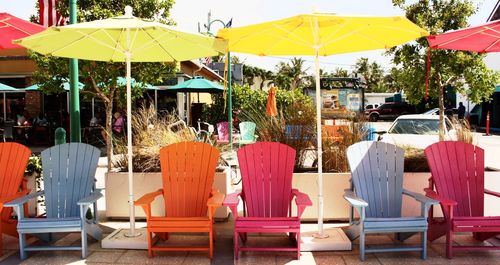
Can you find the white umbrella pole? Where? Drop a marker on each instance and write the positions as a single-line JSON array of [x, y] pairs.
[[320, 150], [129, 152], [93, 105], [156, 100], [4, 107]]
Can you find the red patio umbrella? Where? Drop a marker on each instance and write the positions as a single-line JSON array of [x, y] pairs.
[[481, 38], [12, 28]]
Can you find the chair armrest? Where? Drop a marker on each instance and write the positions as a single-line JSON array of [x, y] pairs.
[[147, 198], [419, 197], [22, 200], [444, 201], [350, 197], [301, 199], [493, 193], [425, 202], [4, 200], [91, 198], [232, 199], [216, 200]]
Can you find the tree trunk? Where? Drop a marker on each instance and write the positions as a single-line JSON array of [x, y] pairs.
[[441, 108], [109, 132]]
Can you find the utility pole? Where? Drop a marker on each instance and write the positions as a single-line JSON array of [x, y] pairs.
[[229, 85], [74, 94]]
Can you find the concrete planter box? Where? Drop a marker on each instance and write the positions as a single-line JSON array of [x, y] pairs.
[[335, 207], [117, 193]]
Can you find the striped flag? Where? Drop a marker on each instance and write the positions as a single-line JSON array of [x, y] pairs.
[[48, 14]]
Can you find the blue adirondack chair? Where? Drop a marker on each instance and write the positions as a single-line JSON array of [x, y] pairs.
[[68, 175], [377, 179]]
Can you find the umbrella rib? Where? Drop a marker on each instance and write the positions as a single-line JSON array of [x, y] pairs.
[[9, 24], [493, 44], [117, 46], [154, 40], [85, 36], [295, 38]]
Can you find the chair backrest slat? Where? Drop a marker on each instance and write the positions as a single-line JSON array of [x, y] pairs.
[[188, 171], [68, 175], [377, 175], [457, 169], [267, 170]]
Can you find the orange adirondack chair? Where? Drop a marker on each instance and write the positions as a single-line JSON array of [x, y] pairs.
[[13, 160], [188, 170]]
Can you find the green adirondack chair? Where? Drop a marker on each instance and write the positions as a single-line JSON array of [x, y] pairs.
[[247, 133], [377, 179], [68, 175]]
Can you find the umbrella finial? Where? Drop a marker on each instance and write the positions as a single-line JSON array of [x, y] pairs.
[[128, 11]]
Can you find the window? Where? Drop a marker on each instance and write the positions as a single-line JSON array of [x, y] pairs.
[[417, 126]]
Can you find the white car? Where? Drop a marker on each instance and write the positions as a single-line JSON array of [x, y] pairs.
[[417, 131]]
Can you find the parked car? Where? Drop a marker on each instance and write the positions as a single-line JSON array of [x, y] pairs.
[[418, 131], [372, 106], [389, 110], [448, 112]]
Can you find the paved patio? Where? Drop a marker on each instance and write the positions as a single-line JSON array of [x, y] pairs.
[[224, 252]]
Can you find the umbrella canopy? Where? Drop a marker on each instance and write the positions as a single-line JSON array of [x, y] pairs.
[[112, 39], [123, 39], [321, 34], [4, 87], [197, 84], [12, 28], [482, 38], [271, 108]]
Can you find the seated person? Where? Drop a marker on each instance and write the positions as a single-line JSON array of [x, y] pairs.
[[118, 124]]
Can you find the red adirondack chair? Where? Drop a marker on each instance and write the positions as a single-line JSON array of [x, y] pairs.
[[457, 182], [188, 170], [266, 170], [13, 160]]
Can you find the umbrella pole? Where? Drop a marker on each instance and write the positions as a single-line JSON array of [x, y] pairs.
[[320, 233], [4, 108], [132, 232]]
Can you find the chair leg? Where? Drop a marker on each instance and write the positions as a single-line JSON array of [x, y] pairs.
[[362, 246], [150, 244], [84, 244], [449, 244], [22, 245], [298, 245], [236, 245], [211, 244], [1, 239], [423, 255]]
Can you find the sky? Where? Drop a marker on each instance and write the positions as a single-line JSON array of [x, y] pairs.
[[188, 13]]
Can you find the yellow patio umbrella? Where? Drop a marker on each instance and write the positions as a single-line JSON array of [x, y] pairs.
[[123, 39], [321, 34]]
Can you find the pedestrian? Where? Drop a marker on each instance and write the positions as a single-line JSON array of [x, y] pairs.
[[461, 111]]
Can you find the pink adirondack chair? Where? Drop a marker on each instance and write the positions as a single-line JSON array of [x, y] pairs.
[[266, 170], [223, 132], [457, 182]]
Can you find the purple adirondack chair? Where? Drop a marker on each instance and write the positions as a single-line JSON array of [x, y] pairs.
[[223, 132], [266, 170]]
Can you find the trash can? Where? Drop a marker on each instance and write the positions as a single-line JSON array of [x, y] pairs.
[[60, 136]]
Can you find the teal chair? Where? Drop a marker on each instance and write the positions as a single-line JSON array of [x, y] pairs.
[[69, 176], [247, 133]]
